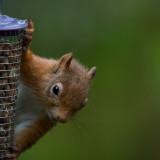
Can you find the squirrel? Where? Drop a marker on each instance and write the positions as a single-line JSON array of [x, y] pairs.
[[50, 91]]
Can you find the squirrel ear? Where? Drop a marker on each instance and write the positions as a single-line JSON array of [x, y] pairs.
[[65, 61], [91, 73]]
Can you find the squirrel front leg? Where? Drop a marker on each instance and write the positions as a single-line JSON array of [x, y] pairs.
[[27, 61], [27, 134]]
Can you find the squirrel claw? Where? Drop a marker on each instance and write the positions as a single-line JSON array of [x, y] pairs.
[[30, 23], [13, 152]]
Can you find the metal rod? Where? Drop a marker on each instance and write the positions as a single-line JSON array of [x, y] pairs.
[[0, 7]]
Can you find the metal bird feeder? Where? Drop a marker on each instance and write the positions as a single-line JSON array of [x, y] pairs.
[[11, 40]]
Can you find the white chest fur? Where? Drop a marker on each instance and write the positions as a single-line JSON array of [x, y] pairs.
[[28, 107]]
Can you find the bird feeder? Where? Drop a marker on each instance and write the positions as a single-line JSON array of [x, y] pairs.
[[11, 40]]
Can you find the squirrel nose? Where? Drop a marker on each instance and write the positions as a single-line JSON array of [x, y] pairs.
[[54, 118], [58, 119]]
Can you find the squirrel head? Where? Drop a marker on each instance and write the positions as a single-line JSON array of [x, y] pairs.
[[66, 90]]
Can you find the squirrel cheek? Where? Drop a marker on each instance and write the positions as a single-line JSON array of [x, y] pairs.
[[63, 115]]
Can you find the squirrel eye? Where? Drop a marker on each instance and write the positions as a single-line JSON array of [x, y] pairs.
[[56, 90]]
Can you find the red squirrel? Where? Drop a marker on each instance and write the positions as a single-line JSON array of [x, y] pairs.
[[50, 91]]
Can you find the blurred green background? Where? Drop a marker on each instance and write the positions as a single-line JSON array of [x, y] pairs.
[[122, 38]]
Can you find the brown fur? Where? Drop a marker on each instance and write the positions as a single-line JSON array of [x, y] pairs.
[[28, 137], [41, 74]]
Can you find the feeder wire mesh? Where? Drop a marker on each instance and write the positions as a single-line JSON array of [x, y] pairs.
[[10, 58]]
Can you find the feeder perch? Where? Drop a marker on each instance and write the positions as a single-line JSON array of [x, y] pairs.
[[11, 40]]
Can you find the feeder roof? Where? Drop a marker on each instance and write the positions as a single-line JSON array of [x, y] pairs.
[[8, 23]]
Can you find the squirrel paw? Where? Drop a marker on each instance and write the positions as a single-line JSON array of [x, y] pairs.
[[27, 38], [13, 153]]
